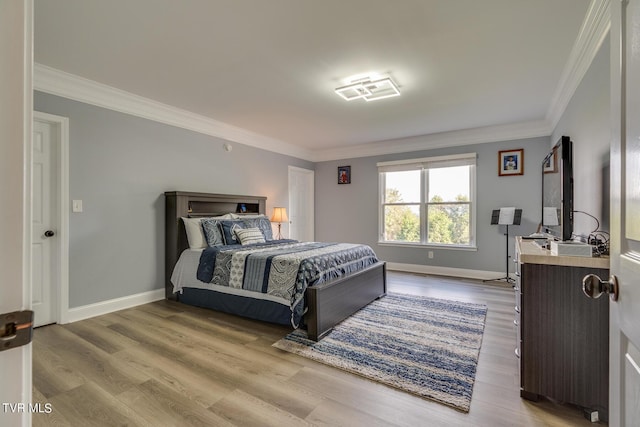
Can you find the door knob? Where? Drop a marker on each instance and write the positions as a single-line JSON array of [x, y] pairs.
[[49, 233], [593, 286]]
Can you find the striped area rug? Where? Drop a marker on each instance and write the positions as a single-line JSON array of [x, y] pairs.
[[425, 346]]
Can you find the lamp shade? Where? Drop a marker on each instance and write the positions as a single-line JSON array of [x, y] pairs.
[[279, 215]]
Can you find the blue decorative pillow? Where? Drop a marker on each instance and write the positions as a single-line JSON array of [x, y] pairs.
[[212, 232], [227, 229]]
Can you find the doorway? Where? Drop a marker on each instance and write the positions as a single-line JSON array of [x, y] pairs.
[[50, 219], [301, 204]]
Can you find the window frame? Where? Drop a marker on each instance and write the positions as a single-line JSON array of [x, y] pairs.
[[424, 165]]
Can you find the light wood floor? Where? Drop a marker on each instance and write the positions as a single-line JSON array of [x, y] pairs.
[[166, 364]]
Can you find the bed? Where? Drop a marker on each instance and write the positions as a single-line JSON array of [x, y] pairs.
[[318, 305]]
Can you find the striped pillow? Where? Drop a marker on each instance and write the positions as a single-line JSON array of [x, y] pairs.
[[248, 236]]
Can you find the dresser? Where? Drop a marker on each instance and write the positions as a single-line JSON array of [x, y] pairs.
[[562, 335]]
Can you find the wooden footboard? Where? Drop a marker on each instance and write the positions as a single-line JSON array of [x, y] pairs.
[[330, 303]]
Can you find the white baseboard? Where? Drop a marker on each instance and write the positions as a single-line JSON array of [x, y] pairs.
[[445, 271], [106, 307]]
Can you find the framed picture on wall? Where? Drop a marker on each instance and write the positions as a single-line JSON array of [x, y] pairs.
[[511, 162], [344, 174]]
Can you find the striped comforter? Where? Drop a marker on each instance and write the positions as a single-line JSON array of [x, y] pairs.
[[282, 268]]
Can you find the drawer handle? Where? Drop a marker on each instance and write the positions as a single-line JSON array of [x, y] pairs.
[[515, 322], [517, 352]]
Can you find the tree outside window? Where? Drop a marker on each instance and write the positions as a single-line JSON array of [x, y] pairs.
[[429, 204]]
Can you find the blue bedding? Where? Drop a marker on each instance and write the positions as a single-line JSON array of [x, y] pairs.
[[283, 268]]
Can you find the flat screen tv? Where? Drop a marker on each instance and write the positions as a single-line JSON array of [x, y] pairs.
[[557, 191]]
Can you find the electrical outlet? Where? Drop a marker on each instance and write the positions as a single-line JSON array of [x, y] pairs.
[[430, 254]]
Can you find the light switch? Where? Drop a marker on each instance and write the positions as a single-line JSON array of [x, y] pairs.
[[77, 205]]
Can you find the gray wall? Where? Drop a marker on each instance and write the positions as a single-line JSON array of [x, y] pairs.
[[587, 121], [350, 212], [120, 166]]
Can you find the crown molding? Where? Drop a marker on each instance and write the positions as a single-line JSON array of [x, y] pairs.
[[438, 140], [594, 30], [66, 85]]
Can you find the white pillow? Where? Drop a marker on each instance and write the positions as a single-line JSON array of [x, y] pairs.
[[246, 216], [195, 233], [248, 236]]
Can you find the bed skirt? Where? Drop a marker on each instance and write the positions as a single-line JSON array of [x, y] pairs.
[[258, 309]]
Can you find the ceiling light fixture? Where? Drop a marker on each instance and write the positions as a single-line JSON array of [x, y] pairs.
[[368, 89]]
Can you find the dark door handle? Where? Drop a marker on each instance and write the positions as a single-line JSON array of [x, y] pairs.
[[16, 329], [49, 233]]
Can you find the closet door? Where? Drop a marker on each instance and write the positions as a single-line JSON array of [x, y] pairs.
[[301, 205]]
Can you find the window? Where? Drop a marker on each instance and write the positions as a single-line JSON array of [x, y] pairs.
[[428, 201]]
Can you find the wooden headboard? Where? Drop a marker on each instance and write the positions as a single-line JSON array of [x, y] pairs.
[[180, 204]]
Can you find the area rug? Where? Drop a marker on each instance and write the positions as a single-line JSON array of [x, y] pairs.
[[425, 346]]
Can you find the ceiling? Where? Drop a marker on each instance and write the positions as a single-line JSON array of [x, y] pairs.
[[268, 69]]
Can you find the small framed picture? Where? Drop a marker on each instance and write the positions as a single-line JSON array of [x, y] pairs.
[[344, 174], [550, 163], [511, 162]]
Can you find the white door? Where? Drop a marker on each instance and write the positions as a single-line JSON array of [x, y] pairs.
[[624, 339], [16, 94], [301, 204], [45, 229]]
